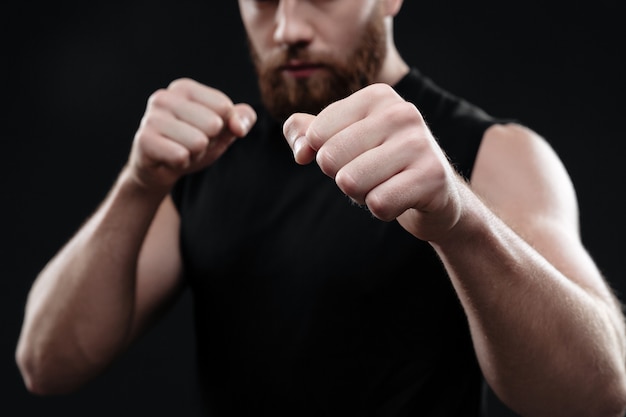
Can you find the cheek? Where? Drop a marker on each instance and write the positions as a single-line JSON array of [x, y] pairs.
[[345, 42], [258, 28], [259, 40], [344, 31]]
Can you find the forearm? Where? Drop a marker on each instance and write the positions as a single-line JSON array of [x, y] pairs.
[[80, 310], [544, 342]]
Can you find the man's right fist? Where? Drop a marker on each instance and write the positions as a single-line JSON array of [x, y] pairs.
[[186, 127]]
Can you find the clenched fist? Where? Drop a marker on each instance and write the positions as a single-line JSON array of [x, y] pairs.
[[185, 128], [380, 153]]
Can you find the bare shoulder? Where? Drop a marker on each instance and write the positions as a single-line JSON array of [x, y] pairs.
[[519, 174], [522, 179]]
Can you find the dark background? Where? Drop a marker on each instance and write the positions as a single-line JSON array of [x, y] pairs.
[[78, 76]]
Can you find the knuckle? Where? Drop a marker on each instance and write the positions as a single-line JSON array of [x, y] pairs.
[[380, 90], [198, 144], [152, 121], [182, 83], [348, 184], [326, 161], [212, 125], [379, 206], [146, 127], [314, 137], [146, 142], [180, 159], [160, 98], [223, 105], [401, 113]]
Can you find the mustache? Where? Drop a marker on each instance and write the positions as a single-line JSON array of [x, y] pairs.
[[296, 53]]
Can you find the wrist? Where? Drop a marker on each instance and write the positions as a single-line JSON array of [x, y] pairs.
[[129, 182]]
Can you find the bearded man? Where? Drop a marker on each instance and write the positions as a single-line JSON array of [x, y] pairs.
[[416, 249]]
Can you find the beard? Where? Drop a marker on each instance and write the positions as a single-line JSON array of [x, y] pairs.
[[336, 79]]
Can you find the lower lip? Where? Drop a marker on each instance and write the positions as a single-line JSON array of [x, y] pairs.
[[301, 72]]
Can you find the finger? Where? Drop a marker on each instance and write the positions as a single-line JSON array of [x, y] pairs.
[[173, 129], [202, 94], [238, 124], [205, 108], [372, 168], [199, 116], [294, 130], [415, 188], [393, 197], [368, 133], [241, 119], [159, 150], [343, 113], [182, 108]]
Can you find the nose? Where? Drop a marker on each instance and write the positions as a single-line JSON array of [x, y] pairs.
[[293, 24]]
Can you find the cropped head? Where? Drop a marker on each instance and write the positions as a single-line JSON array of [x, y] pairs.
[[310, 53]]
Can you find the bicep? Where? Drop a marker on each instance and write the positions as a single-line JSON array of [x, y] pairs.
[[520, 177], [159, 267]]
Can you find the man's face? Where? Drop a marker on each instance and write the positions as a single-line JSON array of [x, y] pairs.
[[310, 53]]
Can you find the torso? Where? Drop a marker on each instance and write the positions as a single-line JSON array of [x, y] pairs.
[[307, 305]]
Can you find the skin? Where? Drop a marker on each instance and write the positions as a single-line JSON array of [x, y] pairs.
[[547, 329]]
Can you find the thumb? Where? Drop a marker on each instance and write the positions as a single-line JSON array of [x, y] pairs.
[[294, 130]]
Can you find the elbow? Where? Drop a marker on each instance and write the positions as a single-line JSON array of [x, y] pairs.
[[592, 397], [30, 371], [40, 374]]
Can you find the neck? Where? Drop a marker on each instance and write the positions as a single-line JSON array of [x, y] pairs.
[[394, 66]]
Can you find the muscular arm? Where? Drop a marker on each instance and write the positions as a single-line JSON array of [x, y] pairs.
[[88, 302], [124, 265], [548, 332]]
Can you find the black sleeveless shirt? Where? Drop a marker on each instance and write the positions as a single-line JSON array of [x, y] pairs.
[[305, 304]]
